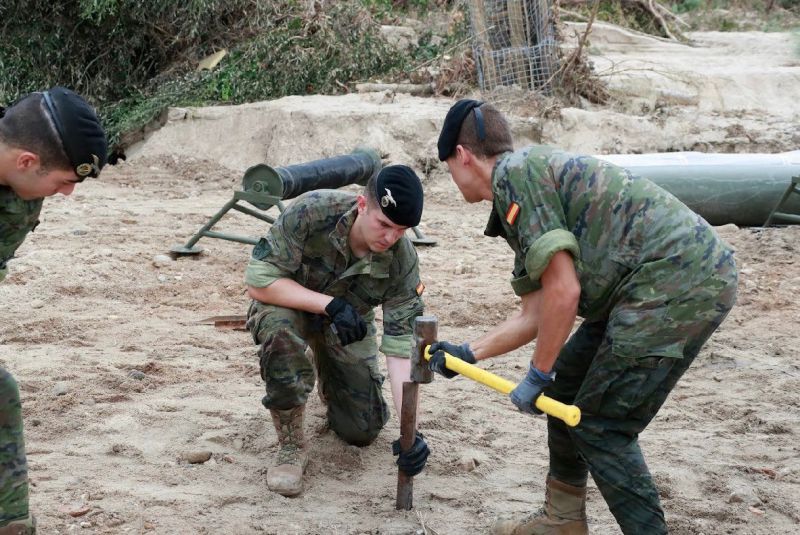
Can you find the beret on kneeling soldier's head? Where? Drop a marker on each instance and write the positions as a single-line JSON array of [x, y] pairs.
[[399, 194]]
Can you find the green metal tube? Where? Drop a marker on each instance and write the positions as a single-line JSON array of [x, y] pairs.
[[723, 188], [328, 173]]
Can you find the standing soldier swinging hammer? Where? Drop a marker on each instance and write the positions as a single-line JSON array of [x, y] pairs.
[[651, 279], [49, 142], [328, 260]]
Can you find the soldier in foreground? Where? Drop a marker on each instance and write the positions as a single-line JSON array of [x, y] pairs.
[[651, 279], [328, 260], [49, 142]]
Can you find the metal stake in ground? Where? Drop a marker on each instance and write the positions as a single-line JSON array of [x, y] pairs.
[[425, 332]]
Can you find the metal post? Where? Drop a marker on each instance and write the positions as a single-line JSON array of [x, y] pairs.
[[425, 332]]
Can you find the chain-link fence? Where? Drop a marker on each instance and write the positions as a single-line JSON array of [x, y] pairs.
[[514, 42]]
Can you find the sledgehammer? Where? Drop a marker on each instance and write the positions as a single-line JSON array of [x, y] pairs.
[[570, 414]]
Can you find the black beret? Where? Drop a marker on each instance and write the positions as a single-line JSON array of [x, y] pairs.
[[448, 138], [399, 194], [80, 130]]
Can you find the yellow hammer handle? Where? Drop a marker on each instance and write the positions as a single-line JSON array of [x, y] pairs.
[[570, 414]]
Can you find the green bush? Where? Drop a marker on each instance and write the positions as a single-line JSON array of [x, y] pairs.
[[684, 6], [133, 58]]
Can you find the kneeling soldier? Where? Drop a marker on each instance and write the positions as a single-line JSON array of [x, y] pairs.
[[328, 260]]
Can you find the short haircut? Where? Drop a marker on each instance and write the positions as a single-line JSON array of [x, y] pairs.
[[498, 134], [371, 190], [27, 126]]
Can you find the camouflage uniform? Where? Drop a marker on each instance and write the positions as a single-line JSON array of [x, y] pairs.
[[309, 244], [17, 218], [656, 281]]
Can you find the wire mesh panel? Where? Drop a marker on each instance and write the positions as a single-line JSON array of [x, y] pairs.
[[514, 43]]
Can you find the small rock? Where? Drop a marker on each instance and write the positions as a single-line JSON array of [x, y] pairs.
[[162, 277], [86, 525], [177, 114], [467, 464], [80, 232], [36, 303], [161, 260], [399, 37], [196, 457], [60, 389], [469, 460], [136, 374], [74, 509], [744, 494]]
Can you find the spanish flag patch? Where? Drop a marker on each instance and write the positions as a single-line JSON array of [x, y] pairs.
[[512, 213], [420, 288]]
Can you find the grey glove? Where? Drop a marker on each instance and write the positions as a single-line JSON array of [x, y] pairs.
[[525, 394]]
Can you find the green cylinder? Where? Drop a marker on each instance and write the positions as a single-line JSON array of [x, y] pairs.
[[328, 173], [723, 188]]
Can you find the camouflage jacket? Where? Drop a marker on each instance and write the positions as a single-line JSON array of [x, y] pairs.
[[17, 218], [635, 246], [309, 244]]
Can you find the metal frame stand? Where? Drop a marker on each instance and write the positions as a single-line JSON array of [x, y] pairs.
[[794, 187], [255, 198]]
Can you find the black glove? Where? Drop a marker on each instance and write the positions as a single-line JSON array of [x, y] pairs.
[[346, 321], [438, 349], [412, 461]]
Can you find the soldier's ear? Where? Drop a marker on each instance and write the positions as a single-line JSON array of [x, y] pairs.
[[26, 160], [463, 155], [361, 203]]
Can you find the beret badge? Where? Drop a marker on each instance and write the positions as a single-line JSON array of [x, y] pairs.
[[387, 199], [85, 169]]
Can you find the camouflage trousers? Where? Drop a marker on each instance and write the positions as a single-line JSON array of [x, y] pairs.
[[13, 467], [350, 376], [618, 397]]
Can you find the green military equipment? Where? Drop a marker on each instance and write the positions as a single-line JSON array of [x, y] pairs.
[[743, 189], [264, 186], [777, 213]]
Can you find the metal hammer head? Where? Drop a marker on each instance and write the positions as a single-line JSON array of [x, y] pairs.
[[425, 333]]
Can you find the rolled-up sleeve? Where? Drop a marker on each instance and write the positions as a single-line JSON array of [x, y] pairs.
[[280, 253], [539, 254], [261, 273], [404, 303]]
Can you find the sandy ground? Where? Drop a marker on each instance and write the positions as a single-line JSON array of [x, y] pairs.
[[120, 381]]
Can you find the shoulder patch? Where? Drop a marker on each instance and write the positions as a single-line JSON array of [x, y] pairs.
[[512, 213], [420, 288]]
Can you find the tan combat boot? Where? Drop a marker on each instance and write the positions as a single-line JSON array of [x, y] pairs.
[[20, 526], [563, 513], [286, 477]]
